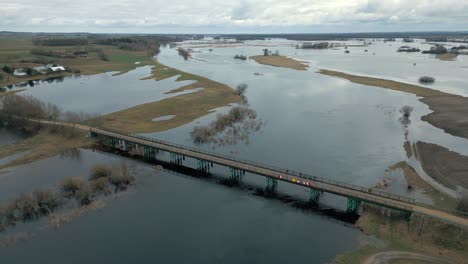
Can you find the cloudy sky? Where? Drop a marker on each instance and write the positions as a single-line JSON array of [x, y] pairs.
[[233, 16]]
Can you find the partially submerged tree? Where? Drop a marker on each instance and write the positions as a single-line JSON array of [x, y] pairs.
[[426, 79], [241, 88], [406, 111], [47, 201]]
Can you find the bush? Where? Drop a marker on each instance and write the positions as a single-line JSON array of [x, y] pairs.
[[100, 171], [7, 69], [120, 180], [70, 186], [201, 134], [184, 53], [241, 88], [83, 195], [406, 111], [47, 201], [426, 79], [100, 185], [102, 56], [27, 207], [240, 57]]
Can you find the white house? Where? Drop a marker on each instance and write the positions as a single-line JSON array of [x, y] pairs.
[[20, 72], [55, 67]]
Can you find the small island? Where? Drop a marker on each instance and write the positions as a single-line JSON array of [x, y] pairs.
[[277, 60]]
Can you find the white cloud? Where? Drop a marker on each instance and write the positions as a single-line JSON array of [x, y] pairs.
[[151, 16]]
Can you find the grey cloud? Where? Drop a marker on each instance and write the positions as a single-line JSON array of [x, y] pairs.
[[235, 16]]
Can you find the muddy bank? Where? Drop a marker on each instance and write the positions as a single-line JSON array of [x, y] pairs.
[[281, 61], [450, 112], [443, 165]]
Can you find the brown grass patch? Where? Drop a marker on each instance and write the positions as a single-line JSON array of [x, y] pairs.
[[447, 56], [387, 84], [42, 146], [281, 61], [186, 107]]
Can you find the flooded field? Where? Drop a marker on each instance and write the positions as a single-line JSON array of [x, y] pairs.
[[313, 123]]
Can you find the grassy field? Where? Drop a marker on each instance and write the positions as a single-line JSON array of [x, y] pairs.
[[15, 52], [10, 92], [41, 146], [186, 107], [413, 179], [281, 61], [387, 84], [435, 238]]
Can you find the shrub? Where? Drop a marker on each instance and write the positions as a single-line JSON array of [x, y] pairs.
[[70, 186], [100, 185], [201, 134], [241, 88], [426, 79], [47, 201], [120, 180], [184, 53], [8, 69], [27, 207], [100, 171], [103, 56], [240, 57], [83, 194], [406, 111]]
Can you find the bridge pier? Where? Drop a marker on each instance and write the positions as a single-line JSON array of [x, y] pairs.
[[235, 175], [176, 159], [203, 167], [272, 185], [353, 205], [315, 195], [149, 152]]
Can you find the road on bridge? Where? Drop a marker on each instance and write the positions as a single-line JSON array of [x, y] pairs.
[[363, 194]]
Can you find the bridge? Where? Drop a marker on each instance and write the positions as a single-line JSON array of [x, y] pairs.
[[356, 195]]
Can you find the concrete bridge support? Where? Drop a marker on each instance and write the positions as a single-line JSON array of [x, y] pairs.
[[236, 175], [203, 167], [315, 196], [272, 185], [353, 205], [149, 152], [176, 159]]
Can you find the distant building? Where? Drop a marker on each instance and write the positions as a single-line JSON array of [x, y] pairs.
[[55, 68], [20, 72]]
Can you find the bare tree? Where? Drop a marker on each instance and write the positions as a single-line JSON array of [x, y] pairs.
[[406, 111], [241, 88]]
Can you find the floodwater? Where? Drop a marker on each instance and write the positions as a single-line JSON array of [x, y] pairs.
[[105, 93], [317, 124], [171, 218]]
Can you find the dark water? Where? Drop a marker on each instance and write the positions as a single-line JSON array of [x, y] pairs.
[[172, 218]]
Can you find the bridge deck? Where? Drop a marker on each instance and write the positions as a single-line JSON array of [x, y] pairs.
[[342, 189]]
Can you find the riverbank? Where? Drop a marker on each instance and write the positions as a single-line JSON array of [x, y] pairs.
[[422, 235], [449, 110], [281, 61], [185, 108], [44, 144], [15, 52], [445, 166]]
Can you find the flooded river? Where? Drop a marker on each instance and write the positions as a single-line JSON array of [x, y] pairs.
[[313, 123]]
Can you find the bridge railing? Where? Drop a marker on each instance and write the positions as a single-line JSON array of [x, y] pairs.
[[270, 167]]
